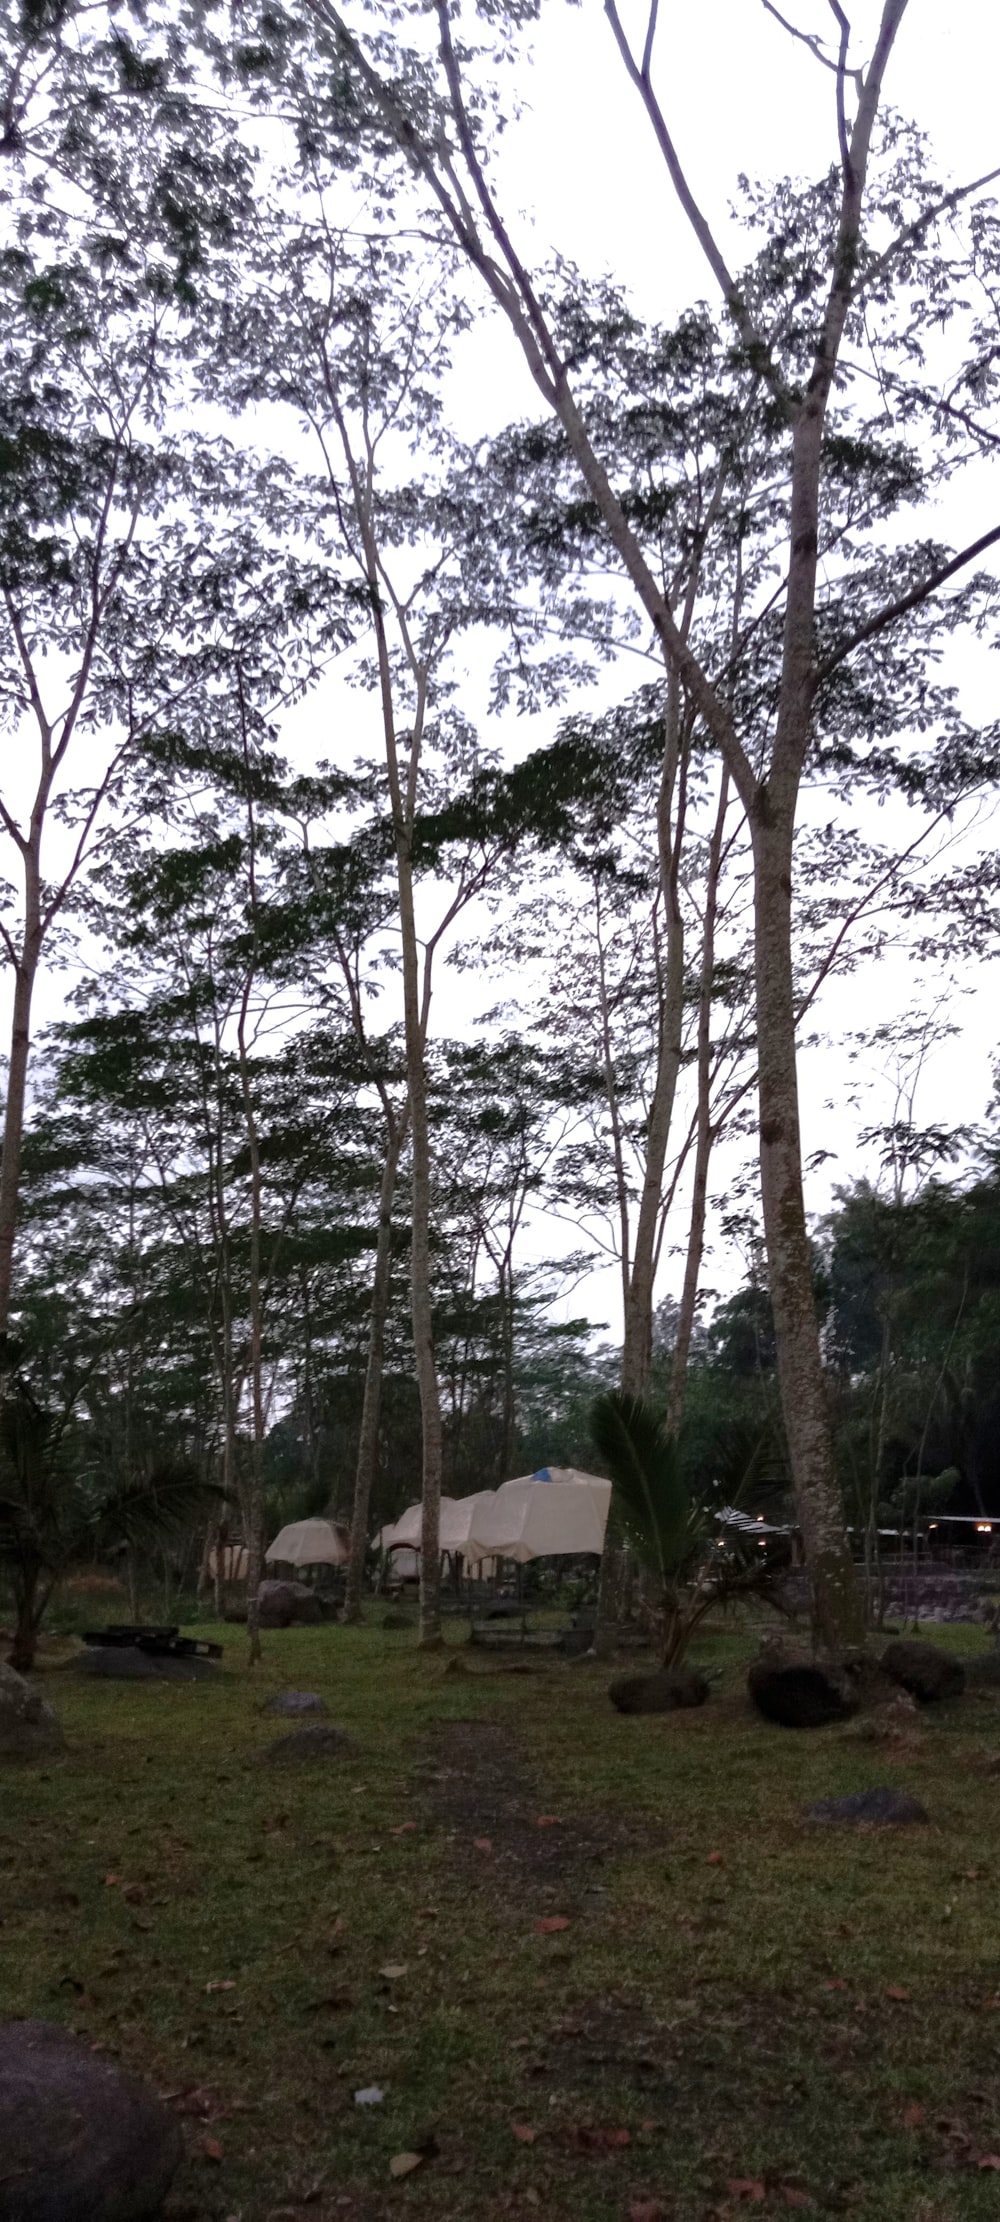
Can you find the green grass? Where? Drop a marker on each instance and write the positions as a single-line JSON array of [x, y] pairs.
[[735, 2016]]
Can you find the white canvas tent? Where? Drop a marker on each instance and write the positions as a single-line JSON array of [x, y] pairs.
[[555, 1513], [457, 1515], [310, 1543]]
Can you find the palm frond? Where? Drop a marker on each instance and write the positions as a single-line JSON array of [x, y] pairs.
[[155, 1508], [650, 1497]]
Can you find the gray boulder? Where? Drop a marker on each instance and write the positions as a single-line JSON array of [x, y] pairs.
[[305, 1745], [802, 1692], [928, 1674], [881, 1808], [80, 2140], [288, 1605], [665, 1692], [295, 1701], [29, 1729]]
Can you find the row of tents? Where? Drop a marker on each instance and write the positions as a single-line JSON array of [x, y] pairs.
[[555, 1512]]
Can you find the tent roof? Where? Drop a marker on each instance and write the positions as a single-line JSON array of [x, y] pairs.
[[456, 1516], [526, 1521], [310, 1543]]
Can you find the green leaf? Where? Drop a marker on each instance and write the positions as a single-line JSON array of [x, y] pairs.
[[650, 1498]]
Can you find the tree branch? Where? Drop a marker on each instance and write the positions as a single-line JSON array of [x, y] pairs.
[[845, 40], [758, 352], [911, 232], [910, 601], [809, 39]]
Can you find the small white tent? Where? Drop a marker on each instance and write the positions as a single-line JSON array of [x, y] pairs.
[[310, 1543], [554, 1513]]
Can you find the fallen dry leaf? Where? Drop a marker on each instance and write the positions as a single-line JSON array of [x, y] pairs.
[[550, 1923], [896, 1990], [646, 2210], [989, 2160], [403, 2164], [524, 2135], [715, 1859], [211, 2148], [601, 2140], [111, 1882], [794, 2198], [225, 1984], [483, 1843], [547, 1821], [836, 1983], [395, 1969], [746, 2187], [913, 2116], [406, 1828]]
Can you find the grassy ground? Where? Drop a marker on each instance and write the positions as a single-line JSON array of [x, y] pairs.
[[742, 2013]]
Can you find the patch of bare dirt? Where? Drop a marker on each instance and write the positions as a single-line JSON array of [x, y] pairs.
[[477, 1786]]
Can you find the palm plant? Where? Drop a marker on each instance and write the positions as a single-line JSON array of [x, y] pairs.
[[669, 1532]]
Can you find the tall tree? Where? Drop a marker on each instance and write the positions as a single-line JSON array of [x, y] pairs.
[[843, 269], [101, 290]]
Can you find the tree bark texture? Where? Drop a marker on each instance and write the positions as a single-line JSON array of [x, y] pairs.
[[13, 1128], [368, 1439], [703, 1130], [838, 1615]]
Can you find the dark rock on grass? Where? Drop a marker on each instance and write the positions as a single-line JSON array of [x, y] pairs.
[[305, 1745], [802, 1693], [80, 2140], [288, 1605], [29, 1728], [126, 1663], [928, 1674], [665, 1692], [881, 1808], [295, 1701]]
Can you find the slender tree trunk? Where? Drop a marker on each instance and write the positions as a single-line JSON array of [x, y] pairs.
[[27, 1622], [255, 1539], [368, 1440], [837, 1610], [614, 1113], [13, 1128], [637, 1350], [420, 1278], [637, 1345], [703, 1136]]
